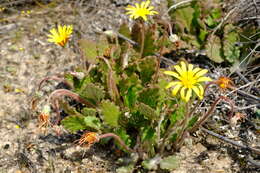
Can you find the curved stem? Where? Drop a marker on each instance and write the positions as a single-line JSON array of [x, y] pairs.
[[56, 78], [53, 99], [118, 139], [64, 92], [212, 108]]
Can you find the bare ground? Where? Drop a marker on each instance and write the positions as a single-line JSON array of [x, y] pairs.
[[26, 58]]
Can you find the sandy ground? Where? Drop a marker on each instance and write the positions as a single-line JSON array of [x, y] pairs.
[[26, 58]]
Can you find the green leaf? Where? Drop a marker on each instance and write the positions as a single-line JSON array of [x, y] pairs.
[[89, 112], [148, 134], [231, 37], [192, 121], [129, 87], [147, 111], [121, 132], [178, 114], [147, 68], [125, 169], [170, 163], [150, 96], [213, 49], [92, 122], [125, 31], [92, 93], [149, 41], [151, 164], [136, 35], [110, 112], [89, 50], [183, 17], [131, 96], [137, 120], [102, 45], [74, 123]]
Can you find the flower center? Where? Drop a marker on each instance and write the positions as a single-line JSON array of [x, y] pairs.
[[142, 12], [188, 80]]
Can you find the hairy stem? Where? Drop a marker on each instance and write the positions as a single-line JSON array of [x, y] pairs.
[[210, 111], [55, 78], [142, 39], [118, 139], [54, 96]]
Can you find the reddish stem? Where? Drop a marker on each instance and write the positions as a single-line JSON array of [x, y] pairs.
[[53, 99], [212, 108], [55, 78], [119, 140]]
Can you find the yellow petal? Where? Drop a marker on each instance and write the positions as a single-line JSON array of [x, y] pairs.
[[190, 67], [183, 93], [146, 4], [171, 84], [201, 90], [188, 95], [174, 74], [183, 66], [178, 69], [144, 17], [197, 91], [201, 73], [204, 79], [176, 89], [196, 70]]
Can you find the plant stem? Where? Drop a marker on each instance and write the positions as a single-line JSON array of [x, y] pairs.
[[118, 139], [53, 99], [56, 78], [142, 38], [212, 108], [184, 124]]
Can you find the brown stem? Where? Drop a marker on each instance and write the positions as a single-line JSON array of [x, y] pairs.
[[142, 39], [56, 78], [119, 140], [64, 92], [170, 130], [197, 104], [184, 125], [53, 99], [212, 108]]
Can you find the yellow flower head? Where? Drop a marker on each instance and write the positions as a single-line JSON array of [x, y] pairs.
[[188, 80], [140, 10], [60, 36]]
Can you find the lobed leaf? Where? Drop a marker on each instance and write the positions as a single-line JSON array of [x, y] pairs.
[[110, 112], [89, 112], [92, 93], [147, 111], [92, 122], [147, 68], [150, 96], [74, 123]]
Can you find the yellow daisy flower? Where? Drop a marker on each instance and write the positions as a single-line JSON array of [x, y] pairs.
[[140, 10], [189, 80], [60, 36]]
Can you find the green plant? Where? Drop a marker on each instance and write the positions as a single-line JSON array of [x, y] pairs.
[[124, 94], [202, 26]]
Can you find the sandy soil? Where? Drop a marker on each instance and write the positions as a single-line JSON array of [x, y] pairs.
[[26, 58]]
